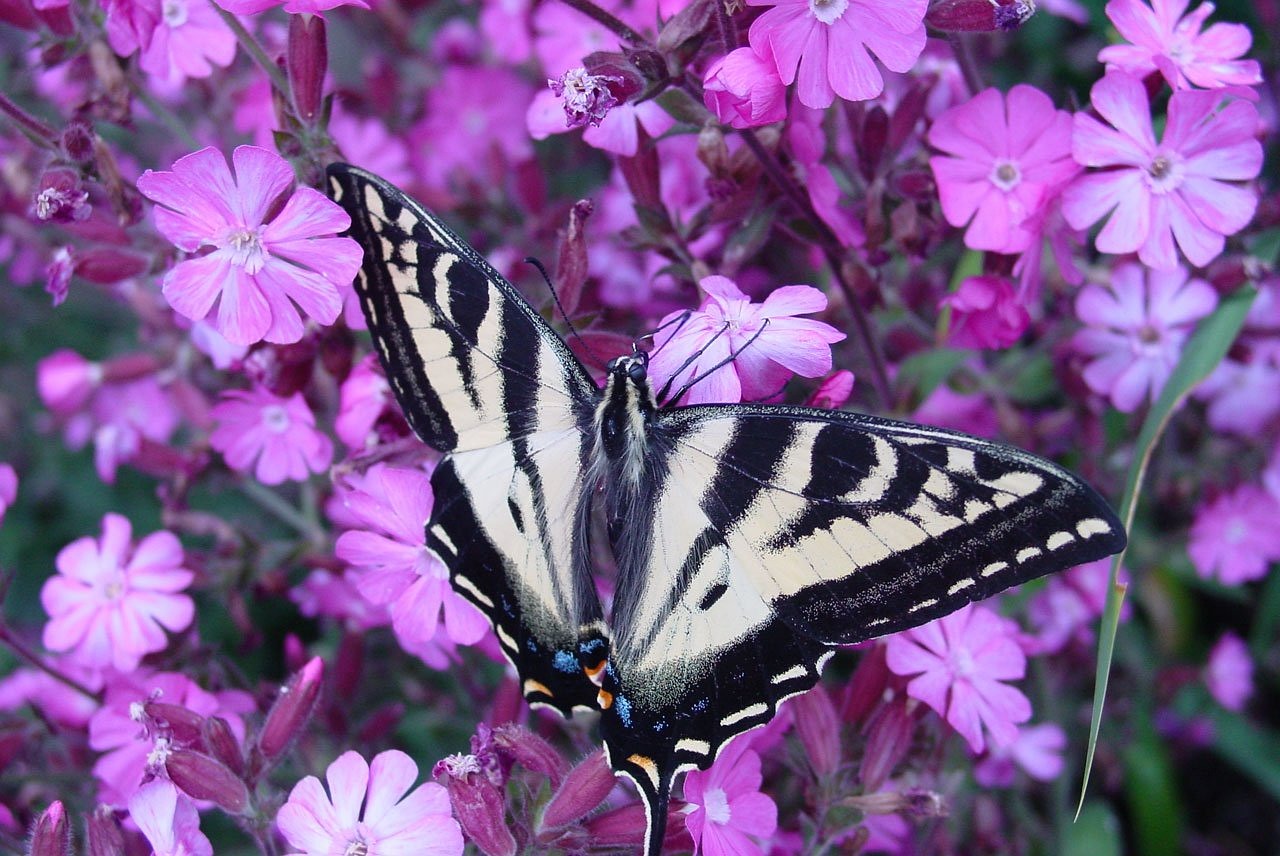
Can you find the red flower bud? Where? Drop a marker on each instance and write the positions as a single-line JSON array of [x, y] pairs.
[[584, 788], [888, 741], [819, 729], [180, 724], [571, 260], [530, 751], [292, 708], [222, 744], [104, 837], [52, 833], [204, 778], [107, 265], [306, 63], [478, 804], [979, 16]]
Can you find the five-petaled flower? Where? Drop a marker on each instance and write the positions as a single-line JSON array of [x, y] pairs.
[[112, 600], [1162, 39], [275, 436], [370, 810], [1234, 537], [724, 805], [270, 250]]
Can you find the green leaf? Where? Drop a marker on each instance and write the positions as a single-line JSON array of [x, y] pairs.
[[1150, 786], [1206, 348], [928, 370], [1247, 746], [1095, 833]]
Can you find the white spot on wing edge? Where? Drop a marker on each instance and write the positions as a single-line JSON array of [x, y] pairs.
[[696, 747], [994, 568], [924, 604], [961, 585], [1059, 539], [789, 675], [1092, 526], [746, 713], [1026, 554], [470, 587]]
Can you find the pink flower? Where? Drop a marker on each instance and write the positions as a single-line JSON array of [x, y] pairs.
[[1244, 395], [1235, 537], [968, 412], [618, 131], [808, 141], [169, 820], [65, 380], [257, 270], [362, 398], [1229, 673], [1137, 326], [959, 663], [724, 805], [112, 601], [986, 313], [8, 488], [1037, 749], [177, 38], [1066, 608], [370, 809], [278, 433], [761, 344], [1177, 188], [392, 564], [743, 89], [1004, 158], [366, 142], [120, 419], [822, 45], [55, 700], [1162, 39], [335, 595], [293, 7]]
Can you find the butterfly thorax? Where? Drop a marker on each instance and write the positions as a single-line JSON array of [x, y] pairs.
[[623, 420]]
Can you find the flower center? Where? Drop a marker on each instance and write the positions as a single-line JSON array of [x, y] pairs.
[[1236, 531], [247, 250], [357, 847], [828, 11], [1165, 172], [962, 662], [716, 804], [275, 419], [1005, 175], [113, 590], [175, 13]]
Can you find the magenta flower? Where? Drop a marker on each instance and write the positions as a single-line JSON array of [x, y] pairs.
[[1037, 750], [985, 313], [1177, 188], [764, 342], [618, 131], [8, 488], [822, 45], [279, 434], [293, 7], [111, 600], [1235, 537], [369, 809], [1229, 673], [65, 380], [743, 89], [177, 39], [121, 418], [1004, 158], [392, 564], [362, 398], [1066, 609], [808, 142], [257, 270], [1162, 39], [1137, 326], [1244, 395], [724, 805], [959, 663], [169, 820]]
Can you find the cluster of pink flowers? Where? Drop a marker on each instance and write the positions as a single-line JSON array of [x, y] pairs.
[[1007, 262]]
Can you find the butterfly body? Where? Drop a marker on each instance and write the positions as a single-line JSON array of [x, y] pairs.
[[749, 540]]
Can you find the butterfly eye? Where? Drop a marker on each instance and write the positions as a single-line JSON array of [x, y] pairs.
[[638, 371]]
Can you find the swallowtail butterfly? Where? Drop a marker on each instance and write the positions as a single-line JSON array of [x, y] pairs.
[[749, 539]]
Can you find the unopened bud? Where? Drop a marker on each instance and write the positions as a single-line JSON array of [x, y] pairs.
[[531, 752], [57, 275], [292, 708], [178, 723], [571, 260], [478, 804], [979, 16], [584, 788], [103, 835], [52, 833], [130, 367], [108, 265], [819, 729], [865, 689], [76, 141], [307, 61], [888, 741], [222, 744], [65, 380], [204, 778]]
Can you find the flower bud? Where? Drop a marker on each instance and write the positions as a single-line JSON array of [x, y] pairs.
[[979, 16], [57, 275], [178, 723], [571, 260], [222, 744], [478, 804], [65, 380], [866, 688], [819, 729], [530, 751], [888, 741], [292, 708], [204, 778], [76, 141], [584, 788], [103, 836], [108, 265], [306, 63], [52, 833], [743, 90], [834, 391]]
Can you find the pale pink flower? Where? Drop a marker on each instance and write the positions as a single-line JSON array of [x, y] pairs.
[[1037, 750], [618, 132], [1162, 39], [743, 89], [726, 813], [111, 600], [1004, 159], [822, 45], [985, 313], [176, 39], [1178, 188], [761, 344], [1229, 672], [959, 663], [362, 399], [324, 593], [293, 7], [1243, 395], [1137, 327], [169, 820], [1234, 538], [55, 699], [366, 142], [276, 437], [1066, 609], [391, 563], [8, 488], [369, 809], [258, 269]]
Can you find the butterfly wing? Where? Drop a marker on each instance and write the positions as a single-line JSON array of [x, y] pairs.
[[481, 377], [776, 533]]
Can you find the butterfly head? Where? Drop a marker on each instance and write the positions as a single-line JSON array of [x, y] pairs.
[[633, 367]]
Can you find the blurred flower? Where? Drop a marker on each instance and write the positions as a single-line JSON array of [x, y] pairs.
[[177, 38], [808, 141], [725, 810], [1156, 192], [743, 89], [1162, 39], [111, 599], [1235, 537], [278, 433], [1137, 327], [971, 413], [8, 488], [258, 270], [986, 313], [65, 380], [506, 28], [1066, 608], [1244, 395], [293, 7], [120, 417], [586, 97], [958, 663], [169, 820], [334, 595], [369, 809], [363, 397], [760, 344], [1037, 750], [822, 45], [1229, 673], [57, 281], [56, 700], [366, 143], [1004, 158], [391, 563]]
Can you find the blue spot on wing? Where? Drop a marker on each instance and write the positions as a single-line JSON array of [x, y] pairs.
[[623, 707], [563, 661]]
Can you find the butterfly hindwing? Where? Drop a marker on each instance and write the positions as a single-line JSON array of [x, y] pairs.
[[482, 378]]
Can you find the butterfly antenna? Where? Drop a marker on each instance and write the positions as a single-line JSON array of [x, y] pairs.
[[680, 320], [666, 387], [732, 356], [555, 297]]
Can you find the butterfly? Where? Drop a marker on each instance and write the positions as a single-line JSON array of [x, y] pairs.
[[750, 540]]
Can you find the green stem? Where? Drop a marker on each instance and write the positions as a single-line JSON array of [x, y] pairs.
[[251, 47], [968, 65], [38, 131], [163, 114], [273, 503], [20, 648]]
